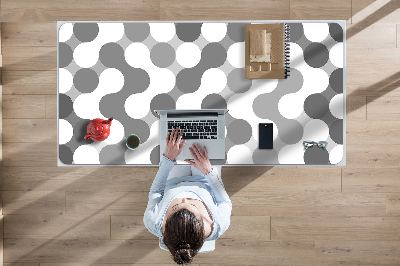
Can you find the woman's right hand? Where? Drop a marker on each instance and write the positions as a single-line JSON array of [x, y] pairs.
[[201, 160]]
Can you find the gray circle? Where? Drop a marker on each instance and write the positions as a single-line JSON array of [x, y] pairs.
[[65, 55], [112, 55], [336, 80], [237, 81], [155, 155], [86, 32], [316, 55], [236, 31], [65, 106], [137, 80], [138, 127], [162, 55], [296, 31], [239, 131], [65, 154], [290, 131], [162, 102], [214, 101], [336, 32], [213, 55], [336, 131], [188, 80], [292, 84], [80, 131], [86, 80], [112, 154], [137, 32], [188, 32], [316, 155], [316, 106], [261, 156]]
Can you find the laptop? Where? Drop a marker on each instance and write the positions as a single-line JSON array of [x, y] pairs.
[[205, 127]]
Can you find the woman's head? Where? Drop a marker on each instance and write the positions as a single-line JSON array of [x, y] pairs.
[[184, 235]]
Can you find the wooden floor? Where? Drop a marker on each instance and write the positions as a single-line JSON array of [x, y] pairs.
[[281, 215]]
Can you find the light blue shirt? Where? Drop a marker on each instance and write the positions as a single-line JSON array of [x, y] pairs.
[[209, 188]]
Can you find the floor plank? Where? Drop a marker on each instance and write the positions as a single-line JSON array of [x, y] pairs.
[[359, 5], [338, 10], [40, 130], [373, 132], [24, 106], [21, 264], [29, 58], [51, 106], [129, 227], [368, 252], [335, 228], [63, 10], [29, 82], [29, 34], [372, 156], [384, 36], [393, 204], [371, 180], [148, 251], [94, 178], [308, 204], [30, 154], [109, 264], [33, 202], [50, 226], [370, 12], [356, 108], [376, 84], [171, 10], [383, 108]]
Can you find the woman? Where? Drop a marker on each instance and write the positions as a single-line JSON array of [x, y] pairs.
[[188, 204]]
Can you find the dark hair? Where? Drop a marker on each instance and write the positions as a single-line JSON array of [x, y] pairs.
[[184, 235]]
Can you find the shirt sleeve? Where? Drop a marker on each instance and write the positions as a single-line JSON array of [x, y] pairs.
[[156, 194], [224, 204]]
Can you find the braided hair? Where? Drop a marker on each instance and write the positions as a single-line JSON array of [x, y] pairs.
[[184, 235]]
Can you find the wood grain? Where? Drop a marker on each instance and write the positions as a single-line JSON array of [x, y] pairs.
[[393, 204], [51, 106], [29, 34], [373, 132], [48, 10], [372, 156], [24, 106], [30, 58], [108, 178], [373, 84], [223, 10], [29, 82], [383, 108], [110, 203], [300, 9], [369, 12], [359, 5], [384, 35], [356, 108], [50, 226], [30, 154], [129, 227], [308, 204], [40, 130], [33, 202], [21, 264], [109, 264], [368, 252], [371, 180], [336, 228], [148, 251]]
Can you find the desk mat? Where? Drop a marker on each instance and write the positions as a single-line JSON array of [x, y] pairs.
[[128, 70]]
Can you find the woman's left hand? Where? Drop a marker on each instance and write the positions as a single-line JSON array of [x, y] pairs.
[[174, 147]]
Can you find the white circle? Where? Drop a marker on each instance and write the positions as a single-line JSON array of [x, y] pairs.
[[336, 55], [65, 32], [316, 130], [86, 154], [188, 54], [236, 55], [239, 154], [117, 132], [65, 131], [162, 32], [336, 106], [65, 81], [213, 80], [137, 55], [292, 154], [336, 154], [86, 55], [316, 32], [290, 106], [213, 32]]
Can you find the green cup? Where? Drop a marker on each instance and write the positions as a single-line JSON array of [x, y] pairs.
[[132, 142]]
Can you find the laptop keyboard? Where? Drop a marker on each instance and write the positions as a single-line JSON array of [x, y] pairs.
[[195, 129]]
